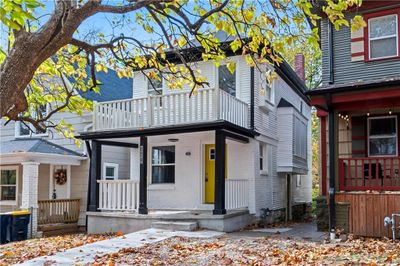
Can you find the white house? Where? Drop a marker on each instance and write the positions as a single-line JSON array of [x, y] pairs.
[[235, 151], [30, 164]]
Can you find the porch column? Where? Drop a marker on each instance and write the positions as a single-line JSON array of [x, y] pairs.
[[143, 176], [30, 180], [219, 201], [332, 167], [95, 174]]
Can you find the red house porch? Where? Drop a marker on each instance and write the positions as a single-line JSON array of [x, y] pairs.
[[359, 127]]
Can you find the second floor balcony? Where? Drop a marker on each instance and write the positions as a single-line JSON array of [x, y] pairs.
[[204, 105]]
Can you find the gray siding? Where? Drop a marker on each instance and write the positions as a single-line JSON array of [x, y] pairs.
[[346, 71]]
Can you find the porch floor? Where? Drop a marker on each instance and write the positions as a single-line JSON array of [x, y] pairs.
[[99, 222]]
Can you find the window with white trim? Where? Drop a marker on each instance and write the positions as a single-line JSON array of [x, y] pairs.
[[227, 80], [25, 129], [110, 171], [163, 165], [8, 184], [383, 36], [382, 136], [263, 159], [155, 85]]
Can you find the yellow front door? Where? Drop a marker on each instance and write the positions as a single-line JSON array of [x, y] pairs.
[[210, 172]]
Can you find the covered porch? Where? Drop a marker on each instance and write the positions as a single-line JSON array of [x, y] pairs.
[[198, 170], [37, 175], [359, 151]]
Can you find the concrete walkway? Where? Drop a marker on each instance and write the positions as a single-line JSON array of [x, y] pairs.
[[87, 253]]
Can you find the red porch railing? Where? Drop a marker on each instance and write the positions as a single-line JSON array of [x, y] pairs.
[[371, 173]]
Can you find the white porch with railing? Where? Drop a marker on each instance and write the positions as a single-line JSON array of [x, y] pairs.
[[171, 109], [123, 195]]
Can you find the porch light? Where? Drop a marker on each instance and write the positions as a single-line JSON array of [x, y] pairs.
[[390, 111], [173, 140], [368, 114]]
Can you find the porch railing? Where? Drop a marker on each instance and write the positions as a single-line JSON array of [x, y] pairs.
[[171, 109], [370, 173], [236, 194], [123, 195], [118, 195], [58, 211]]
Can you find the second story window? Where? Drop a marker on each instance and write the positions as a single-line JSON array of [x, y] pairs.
[[227, 80], [383, 34], [26, 129], [155, 85]]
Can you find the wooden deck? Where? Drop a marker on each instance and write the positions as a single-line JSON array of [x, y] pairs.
[[367, 211]]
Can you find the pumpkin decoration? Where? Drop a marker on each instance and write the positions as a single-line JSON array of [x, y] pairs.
[[60, 175]]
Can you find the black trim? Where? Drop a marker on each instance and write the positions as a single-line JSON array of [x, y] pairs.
[[95, 174], [174, 129], [284, 103], [252, 97], [143, 176], [118, 144], [89, 151], [220, 150], [332, 212]]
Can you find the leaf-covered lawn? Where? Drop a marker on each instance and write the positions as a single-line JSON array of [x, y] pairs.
[[17, 252], [256, 251]]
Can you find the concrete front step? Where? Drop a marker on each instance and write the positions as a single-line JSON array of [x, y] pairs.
[[174, 225]]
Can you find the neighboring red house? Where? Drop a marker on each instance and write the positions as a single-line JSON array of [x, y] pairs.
[[359, 110]]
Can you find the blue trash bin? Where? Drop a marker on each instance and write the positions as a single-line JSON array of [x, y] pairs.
[[5, 224], [19, 225]]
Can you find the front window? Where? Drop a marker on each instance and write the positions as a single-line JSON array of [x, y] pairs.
[[110, 171], [163, 165], [382, 136], [8, 184], [227, 80], [383, 36]]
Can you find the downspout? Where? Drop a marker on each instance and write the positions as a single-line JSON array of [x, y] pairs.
[[332, 163], [252, 98], [330, 52]]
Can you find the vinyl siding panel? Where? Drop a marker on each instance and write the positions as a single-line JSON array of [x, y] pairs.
[[346, 71]]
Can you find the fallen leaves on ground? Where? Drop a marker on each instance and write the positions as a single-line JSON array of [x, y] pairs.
[[17, 252], [255, 251]]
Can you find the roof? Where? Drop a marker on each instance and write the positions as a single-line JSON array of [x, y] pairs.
[[112, 87], [284, 103], [34, 145], [355, 86], [284, 70]]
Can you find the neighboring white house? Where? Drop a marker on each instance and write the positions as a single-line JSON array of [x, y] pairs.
[[29, 164], [239, 149]]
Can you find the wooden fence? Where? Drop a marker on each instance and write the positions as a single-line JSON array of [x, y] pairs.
[[58, 211], [367, 211]]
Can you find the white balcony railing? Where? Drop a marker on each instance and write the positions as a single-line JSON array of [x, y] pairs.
[[236, 194], [171, 109], [118, 195]]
